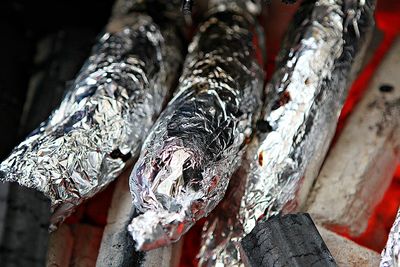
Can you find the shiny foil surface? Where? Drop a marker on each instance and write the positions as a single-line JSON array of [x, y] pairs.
[[104, 117], [198, 141], [390, 256], [221, 229], [319, 57]]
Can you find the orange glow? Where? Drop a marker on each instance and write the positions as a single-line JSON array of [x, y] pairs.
[[191, 245], [382, 218], [387, 20], [361, 83]]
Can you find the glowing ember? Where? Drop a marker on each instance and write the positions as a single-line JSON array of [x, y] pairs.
[[381, 220]]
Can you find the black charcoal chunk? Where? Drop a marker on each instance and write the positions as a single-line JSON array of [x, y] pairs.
[[118, 247], [290, 240], [24, 234]]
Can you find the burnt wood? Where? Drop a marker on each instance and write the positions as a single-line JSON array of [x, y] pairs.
[[24, 237], [290, 240], [41, 52], [120, 247]]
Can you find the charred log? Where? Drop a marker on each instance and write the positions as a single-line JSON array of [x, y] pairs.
[[24, 235], [290, 240]]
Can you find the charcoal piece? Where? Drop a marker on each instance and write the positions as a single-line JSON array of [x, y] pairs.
[[366, 150], [118, 247], [290, 240], [25, 235]]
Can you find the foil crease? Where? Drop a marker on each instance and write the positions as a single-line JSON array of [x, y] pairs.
[[104, 116], [222, 226], [390, 256], [198, 141], [318, 60]]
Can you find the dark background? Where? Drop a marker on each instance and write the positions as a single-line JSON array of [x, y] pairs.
[[43, 44]]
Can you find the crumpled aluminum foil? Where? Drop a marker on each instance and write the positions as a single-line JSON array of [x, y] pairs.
[[319, 57], [198, 141], [390, 256], [221, 228], [104, 117]]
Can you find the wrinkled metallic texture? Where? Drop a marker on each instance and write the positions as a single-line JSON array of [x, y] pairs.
[[198, 141], [222, 226], [319, 58], [104, 117], [390, 256]]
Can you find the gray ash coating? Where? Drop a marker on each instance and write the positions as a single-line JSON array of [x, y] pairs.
[[103, 118], [197, 142]]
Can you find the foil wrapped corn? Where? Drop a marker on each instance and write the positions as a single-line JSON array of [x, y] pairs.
[[320, 55], [221, 228], [105, 115], [198, 141], [390, 256]]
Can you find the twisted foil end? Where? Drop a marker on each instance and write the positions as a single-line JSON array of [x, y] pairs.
[[167, 226]]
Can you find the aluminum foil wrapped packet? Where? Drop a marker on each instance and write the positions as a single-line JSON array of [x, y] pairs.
[[198, 141], [320, 55], [390, 256], [222, 226], [103, 118]]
